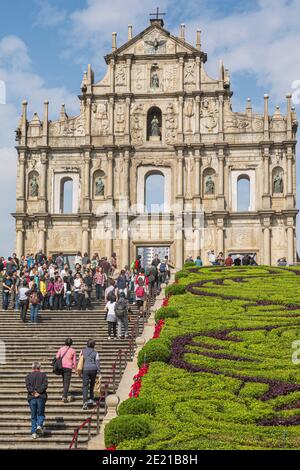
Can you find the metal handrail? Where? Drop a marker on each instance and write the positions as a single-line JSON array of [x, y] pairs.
[[112, 381]]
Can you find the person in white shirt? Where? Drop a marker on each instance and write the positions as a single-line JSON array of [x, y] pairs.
[[111, 316], [212, 257], [109, 290]]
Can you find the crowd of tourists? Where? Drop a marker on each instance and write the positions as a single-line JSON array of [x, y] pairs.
[[37, 282], [222, 260]]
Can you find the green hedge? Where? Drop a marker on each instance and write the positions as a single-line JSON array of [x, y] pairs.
[[166, 312], [156, 350], [137, 406], [126, 427], [175, 289]]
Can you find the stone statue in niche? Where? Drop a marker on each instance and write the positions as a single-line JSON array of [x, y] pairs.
[[154, 80], [209, 185], [155, 127], [99, 187], [34, 186], [278, 183]]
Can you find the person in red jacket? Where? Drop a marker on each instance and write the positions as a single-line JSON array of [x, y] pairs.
[[228, 261]]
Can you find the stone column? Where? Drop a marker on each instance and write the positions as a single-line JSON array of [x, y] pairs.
[[24, 124], [180, 119], [180, 174], [127, 120], [289, 117], [45, 124], [290, 245], [290, 200], [43, 189], [19, 238], [112, 75], [86, 181], [85, 248], [221, 106], [111, 114], [128, 64], [88, 112], [197, 173], [220, 239], [266, 195], [42, 240], [267, 246], [197, 119], [181, 74], [198, 76], [21, 182], [110, 175], [126, 186], [125, 243], [220, 197], [108, 242]]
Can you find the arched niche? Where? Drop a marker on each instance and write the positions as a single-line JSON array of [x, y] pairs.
[[154, 124], [33, 185], [209, 182], [278, 181], [99, 185]]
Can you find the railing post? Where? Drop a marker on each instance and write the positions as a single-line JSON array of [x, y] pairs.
[[76, 440], [98, 416], [114, 378], [89, 429], [120, 365]]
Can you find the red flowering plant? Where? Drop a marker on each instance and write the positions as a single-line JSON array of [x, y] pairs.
[[165, 302], [158, 329], [137, 384], [112, 448]]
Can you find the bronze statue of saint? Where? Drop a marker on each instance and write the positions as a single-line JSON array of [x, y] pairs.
[[278, 184], [34, 187], [155, 127], [209, 185], [99, 187]]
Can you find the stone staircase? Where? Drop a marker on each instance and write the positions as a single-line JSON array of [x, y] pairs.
[[26, 343]]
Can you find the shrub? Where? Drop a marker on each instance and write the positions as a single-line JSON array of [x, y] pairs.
[[137, 406], [156, 350], [189, 264], [166, 312], [126, 427], [181, 275], [175, 289]]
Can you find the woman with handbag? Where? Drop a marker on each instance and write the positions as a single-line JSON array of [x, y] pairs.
[[89, 368], [68, 358]]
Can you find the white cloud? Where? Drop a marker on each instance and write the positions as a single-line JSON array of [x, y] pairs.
[[22, 83], [48, 15]]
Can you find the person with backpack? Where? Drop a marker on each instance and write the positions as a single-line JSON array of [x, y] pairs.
[[162, 269], [140, 295], [152, 280], [137, 263], [88, 287], [89, 358], [121, 311], [122, 284], [35, 299], [111, 317], [66, 360], [8, 287]]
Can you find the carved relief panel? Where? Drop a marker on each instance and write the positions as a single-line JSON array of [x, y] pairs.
[[100, 124], [209, 116]]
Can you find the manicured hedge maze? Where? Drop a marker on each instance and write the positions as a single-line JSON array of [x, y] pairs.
[[228, 380]]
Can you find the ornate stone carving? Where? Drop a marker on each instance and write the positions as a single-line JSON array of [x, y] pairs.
[[155, 44], [237, 124], [209, 114], [120, 119], [100, 119], [171, 125], [69, 127], [140, 78], [137, 124], [189, 74], [258, 125], [120, 76], [169, 80], [189, 113]]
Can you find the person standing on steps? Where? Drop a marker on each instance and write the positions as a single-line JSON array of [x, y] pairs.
[[89, 367], [8, 287], [35, 299], [68, 356], [23, 300], [121, 311], [111, 316], [37, 384]]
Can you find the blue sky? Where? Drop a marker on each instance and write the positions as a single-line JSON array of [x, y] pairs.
[[45, 45]]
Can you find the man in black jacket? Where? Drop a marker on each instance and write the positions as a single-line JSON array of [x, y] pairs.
[[37, 384]]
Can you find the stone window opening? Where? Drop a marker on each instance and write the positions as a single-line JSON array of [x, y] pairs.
[[243, 193], [66, 196], [154, 192]]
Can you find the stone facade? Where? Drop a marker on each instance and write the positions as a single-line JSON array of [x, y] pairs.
[[202, 149]]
